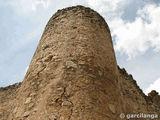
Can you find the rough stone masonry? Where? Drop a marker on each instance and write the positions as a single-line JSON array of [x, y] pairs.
[[73, 75]]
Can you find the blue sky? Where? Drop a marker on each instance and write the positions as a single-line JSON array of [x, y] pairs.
[[134, 25]]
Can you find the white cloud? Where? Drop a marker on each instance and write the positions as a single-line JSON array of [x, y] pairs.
[[106, 5], [35, 4], [154, 86], [135, 38], [107, 8], [152, 14], [130, 37], [26, 7]]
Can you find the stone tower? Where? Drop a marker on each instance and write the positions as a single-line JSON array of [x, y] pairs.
[[73, 75]]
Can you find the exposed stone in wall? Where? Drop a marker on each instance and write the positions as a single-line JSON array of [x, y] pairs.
[[73, 75], [154, 98], [7, 97], [135, 100]]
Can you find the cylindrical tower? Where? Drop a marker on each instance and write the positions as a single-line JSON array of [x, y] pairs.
[[73, 73]]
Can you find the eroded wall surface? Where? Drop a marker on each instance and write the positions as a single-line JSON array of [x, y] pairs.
[[73, 75]]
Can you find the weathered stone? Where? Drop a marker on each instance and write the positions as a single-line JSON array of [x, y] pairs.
[[81, 62], [71, 64], [31, 105], [112, 108], [35, 109], [26, 114], [73, 75], [28, 100], [52, 117], [67, 103], [62, 118], [15, 110], [32, 94]]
